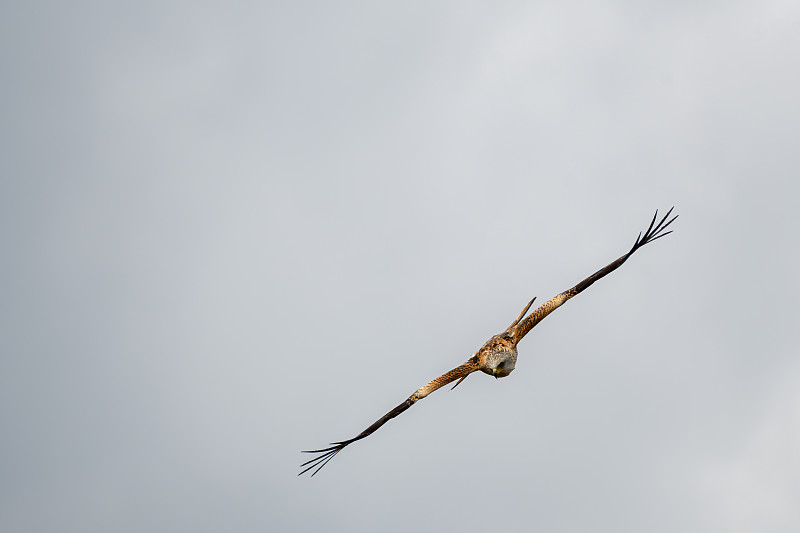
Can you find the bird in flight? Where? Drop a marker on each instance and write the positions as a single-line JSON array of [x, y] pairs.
[[498, 356]]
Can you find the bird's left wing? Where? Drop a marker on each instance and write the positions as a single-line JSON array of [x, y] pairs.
[[520, 327], [326, 454]]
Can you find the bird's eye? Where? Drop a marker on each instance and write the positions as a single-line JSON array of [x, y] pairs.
[[501, 365]]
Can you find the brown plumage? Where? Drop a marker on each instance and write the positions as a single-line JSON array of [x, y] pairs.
[[498, 356]]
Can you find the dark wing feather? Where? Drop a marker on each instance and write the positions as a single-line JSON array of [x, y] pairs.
[[654, 232], [326, 454]]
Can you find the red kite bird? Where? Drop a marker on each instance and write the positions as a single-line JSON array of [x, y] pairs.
[[498, 355]]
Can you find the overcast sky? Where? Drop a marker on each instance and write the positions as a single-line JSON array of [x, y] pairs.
[[232, 231]]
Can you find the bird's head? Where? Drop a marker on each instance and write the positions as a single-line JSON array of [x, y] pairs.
[[500, 362]]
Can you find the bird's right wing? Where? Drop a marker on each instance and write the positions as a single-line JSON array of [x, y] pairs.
[[326, 454]]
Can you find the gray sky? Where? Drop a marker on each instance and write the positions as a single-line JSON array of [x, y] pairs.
[[234, 231]]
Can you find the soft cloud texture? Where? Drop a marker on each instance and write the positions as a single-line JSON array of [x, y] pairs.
[[231, 232]]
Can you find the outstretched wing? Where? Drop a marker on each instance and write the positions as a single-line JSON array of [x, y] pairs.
[[521, 328], [326, 454]]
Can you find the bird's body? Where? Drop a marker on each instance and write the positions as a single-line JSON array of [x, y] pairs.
[[498, 356]]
